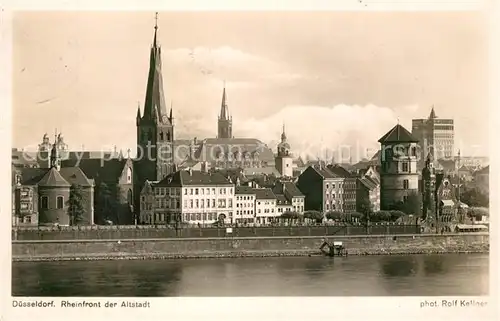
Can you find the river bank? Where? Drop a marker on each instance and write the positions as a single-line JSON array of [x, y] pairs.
[[196, 248]]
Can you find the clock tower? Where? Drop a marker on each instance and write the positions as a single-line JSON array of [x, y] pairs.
[[155, 128]]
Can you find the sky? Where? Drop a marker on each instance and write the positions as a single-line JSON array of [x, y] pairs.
[[333, 78]]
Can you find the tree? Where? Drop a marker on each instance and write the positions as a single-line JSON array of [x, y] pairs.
[[413, 204], [291, 216], [474, 197], [76, 202], [366, 209], [381, 216], [314, 215], [395, 215], [334, 215], [106, 203]]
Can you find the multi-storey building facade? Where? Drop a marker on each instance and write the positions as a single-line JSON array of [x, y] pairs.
[[398, 171], [325, 190], [345, 189], [245, 204], [435, 135], [265, 206], [188, 196]]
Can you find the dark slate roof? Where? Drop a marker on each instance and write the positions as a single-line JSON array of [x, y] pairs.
[[340, 171], [324, 172], [75, 175], [292, 189], [264, 193], [368, 182], [193, 177], [106, 170], [53, 179], [244, 190], [252, 171], [31, 176], [281, 200], [398, 134]]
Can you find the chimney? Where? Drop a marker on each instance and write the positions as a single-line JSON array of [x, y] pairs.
[[190, 171]]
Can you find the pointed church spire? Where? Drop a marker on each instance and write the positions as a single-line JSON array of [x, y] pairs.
[[224, 110], [154, 105], [156, 29], [433, 113]]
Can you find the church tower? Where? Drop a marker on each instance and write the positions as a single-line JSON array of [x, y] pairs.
[[225, 122], [155, 128], [284, 161]]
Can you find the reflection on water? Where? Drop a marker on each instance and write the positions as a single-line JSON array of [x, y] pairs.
[[417, 275]]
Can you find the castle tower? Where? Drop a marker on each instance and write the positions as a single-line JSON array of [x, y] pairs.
[[398, 172], [283, 160], [155, 128], [225, 122]]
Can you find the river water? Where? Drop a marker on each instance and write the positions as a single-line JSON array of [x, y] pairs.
[[412, 275]]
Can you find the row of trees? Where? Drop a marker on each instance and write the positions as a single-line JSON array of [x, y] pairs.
[[318, 217]]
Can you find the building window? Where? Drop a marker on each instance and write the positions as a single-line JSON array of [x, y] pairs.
[[196, 191], [405, 167], [44, 202], [60, 202], [129, 197], [405, 184], [129, 175], [27, 219]]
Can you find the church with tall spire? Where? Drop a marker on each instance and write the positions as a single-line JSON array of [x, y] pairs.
[[155, 127], [225, 121]]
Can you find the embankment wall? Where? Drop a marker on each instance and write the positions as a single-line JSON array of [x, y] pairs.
[[97, 232], [244, 246]]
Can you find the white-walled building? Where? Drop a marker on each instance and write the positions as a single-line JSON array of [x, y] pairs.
[[245, 205], [188, 196], [265, 206]]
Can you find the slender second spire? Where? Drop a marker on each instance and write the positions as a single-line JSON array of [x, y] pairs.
[[224, 109]]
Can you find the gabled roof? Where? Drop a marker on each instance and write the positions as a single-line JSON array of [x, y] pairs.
[[193, 178], [281, 200], [53, 179], [292, 190], [31, 176], [340, 171], [324, 172], [368, 182], [398, 134], [105, 170], [264, 193], [75, 175], [244, 190]]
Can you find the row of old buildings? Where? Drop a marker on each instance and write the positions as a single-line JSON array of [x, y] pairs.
[[204, 180]]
